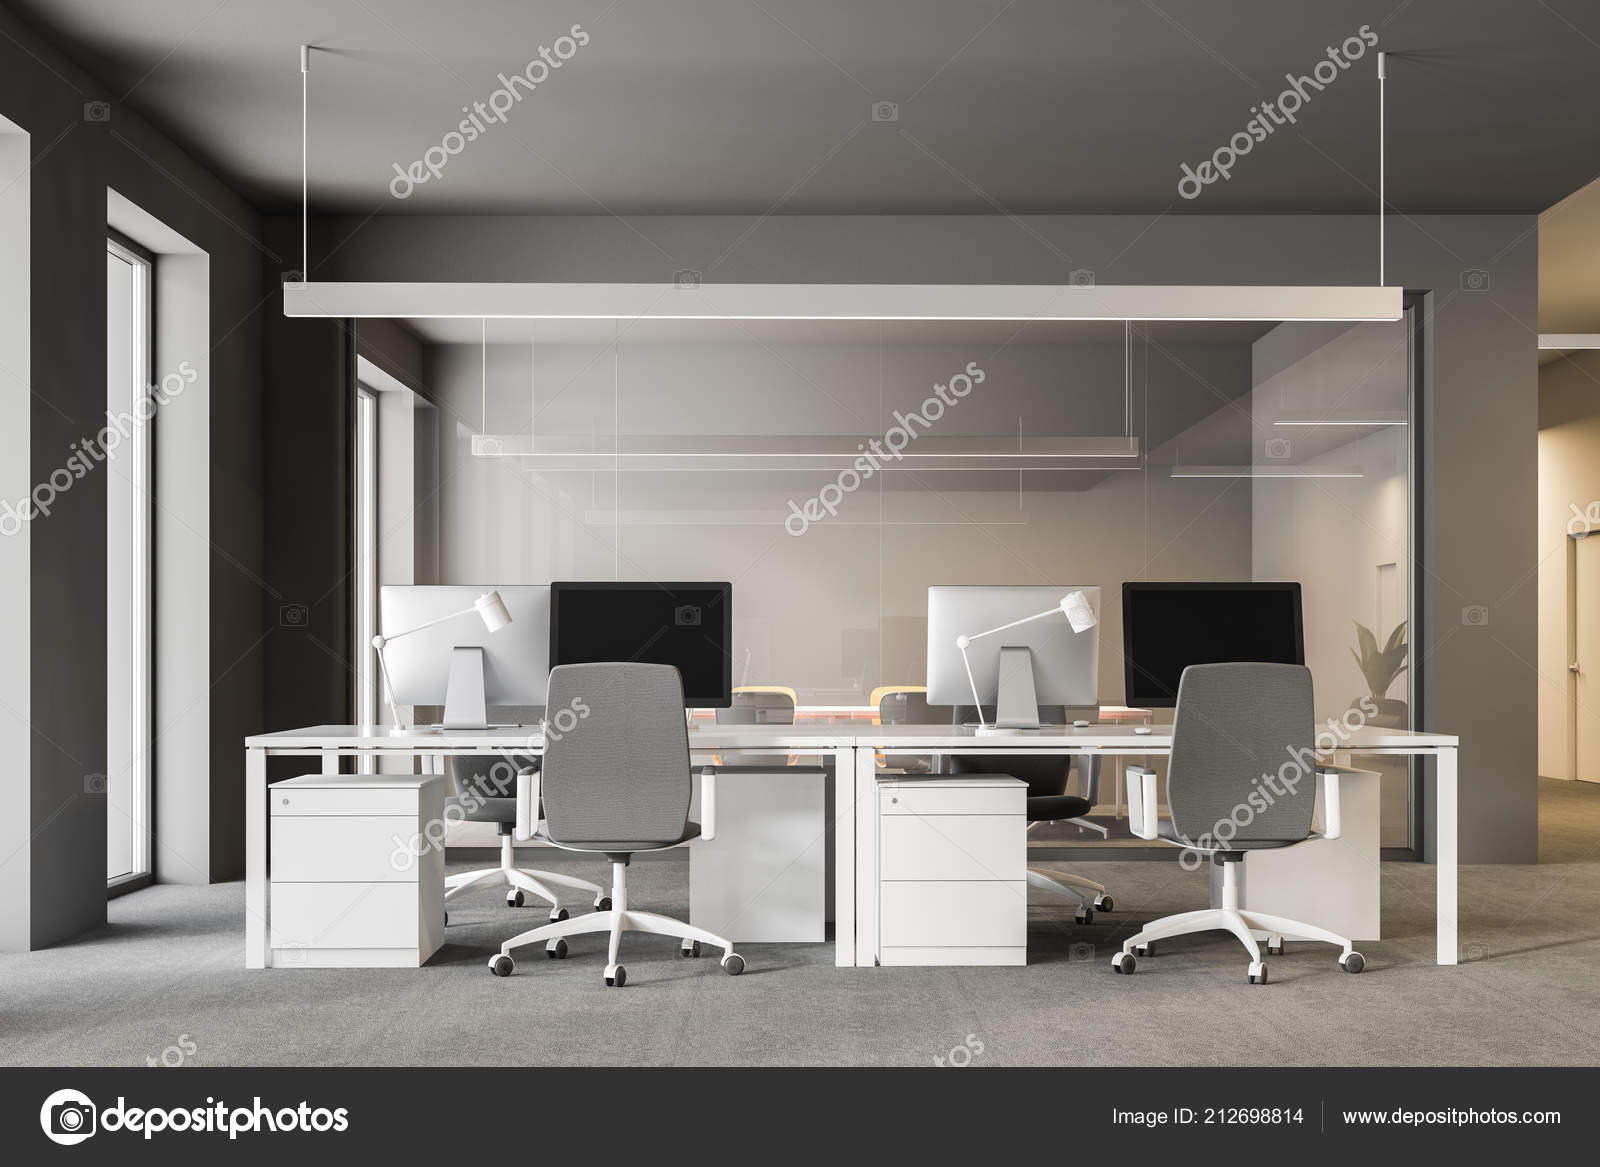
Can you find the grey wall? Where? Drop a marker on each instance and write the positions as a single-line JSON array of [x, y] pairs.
[[1480, 407], [841, 608], [74, 161], [308, 367]]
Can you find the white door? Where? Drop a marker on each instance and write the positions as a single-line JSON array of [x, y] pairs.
[[1586, 659]]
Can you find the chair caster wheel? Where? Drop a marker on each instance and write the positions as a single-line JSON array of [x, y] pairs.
[[616, 976], [689, 948], [1257, 974], [558, 914], [603, 904], [1104, 904], [733, 964], [501, 965], [1143, 950], [556, 949], [1123, 962], [1275, 949], [1352, 962], [514, 898], [1084, 916]]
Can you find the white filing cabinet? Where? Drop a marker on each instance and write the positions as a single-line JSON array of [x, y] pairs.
[[356, 882], [763, 879], [952, 870]]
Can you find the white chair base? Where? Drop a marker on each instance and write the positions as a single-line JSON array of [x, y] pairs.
[[1076, 886], [536, 883], [1249, 927], [615, 920]]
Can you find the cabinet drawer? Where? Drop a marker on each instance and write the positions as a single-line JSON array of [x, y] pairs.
[[344, 915], [372, 800], [976, 915], [932, 799], [347, 849], [968, 847]]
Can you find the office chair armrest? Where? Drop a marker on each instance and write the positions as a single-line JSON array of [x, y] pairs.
[[708, 802], [1141, 801], [1332, 823], [528, 795]]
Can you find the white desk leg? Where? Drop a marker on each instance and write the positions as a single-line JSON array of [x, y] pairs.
[[866, 857], [844, 857], [255, 859], [330, 762], [1445, 853]]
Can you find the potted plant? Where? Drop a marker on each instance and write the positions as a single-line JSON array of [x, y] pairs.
[[1380, 667]]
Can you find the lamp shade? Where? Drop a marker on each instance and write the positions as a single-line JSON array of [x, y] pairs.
[[492, 609], [1079, 612]]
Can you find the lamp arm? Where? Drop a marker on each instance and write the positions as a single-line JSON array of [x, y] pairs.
[[388, 690], [1025, 620], [429, 624], [977, 702]]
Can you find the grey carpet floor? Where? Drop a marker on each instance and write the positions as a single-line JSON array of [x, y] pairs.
[[164, 977]]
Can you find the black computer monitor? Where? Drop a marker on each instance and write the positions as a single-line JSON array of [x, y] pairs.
[[1166, 627], [687, 625]]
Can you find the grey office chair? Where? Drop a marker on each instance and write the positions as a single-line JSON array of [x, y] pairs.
[[1049, 802], [1242, 777], [616, 783], [486, 792]]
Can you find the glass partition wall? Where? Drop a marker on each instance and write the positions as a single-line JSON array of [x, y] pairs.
[[833, 471]]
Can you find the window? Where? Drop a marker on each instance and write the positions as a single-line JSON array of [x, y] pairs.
[[127, 467]]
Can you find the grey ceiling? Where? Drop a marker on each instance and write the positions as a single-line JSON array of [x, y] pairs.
[[750, 106]]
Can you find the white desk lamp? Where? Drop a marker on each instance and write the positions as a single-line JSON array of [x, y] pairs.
[[470, 700], [1018, 701]]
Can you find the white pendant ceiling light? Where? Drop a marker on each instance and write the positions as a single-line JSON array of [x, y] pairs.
[[790, 301], [1266, 472], [1358, 418], [667, 300]]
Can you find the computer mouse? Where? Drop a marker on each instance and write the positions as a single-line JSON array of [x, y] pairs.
[[1080, 725], [1141, 730]]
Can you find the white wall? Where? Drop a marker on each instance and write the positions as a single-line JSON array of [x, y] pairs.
[[16, 684], [1569, 475]]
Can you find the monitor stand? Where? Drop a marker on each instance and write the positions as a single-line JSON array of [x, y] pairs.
[[464, 704], [1016, 706]]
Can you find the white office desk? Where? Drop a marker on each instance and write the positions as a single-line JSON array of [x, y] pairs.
[[852, 748], [331, 743], [1121, 741]]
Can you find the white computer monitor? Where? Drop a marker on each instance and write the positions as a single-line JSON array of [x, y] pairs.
[[1061, 665], [516, 657]]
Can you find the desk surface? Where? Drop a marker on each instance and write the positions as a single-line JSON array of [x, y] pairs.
[[811, 736]]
